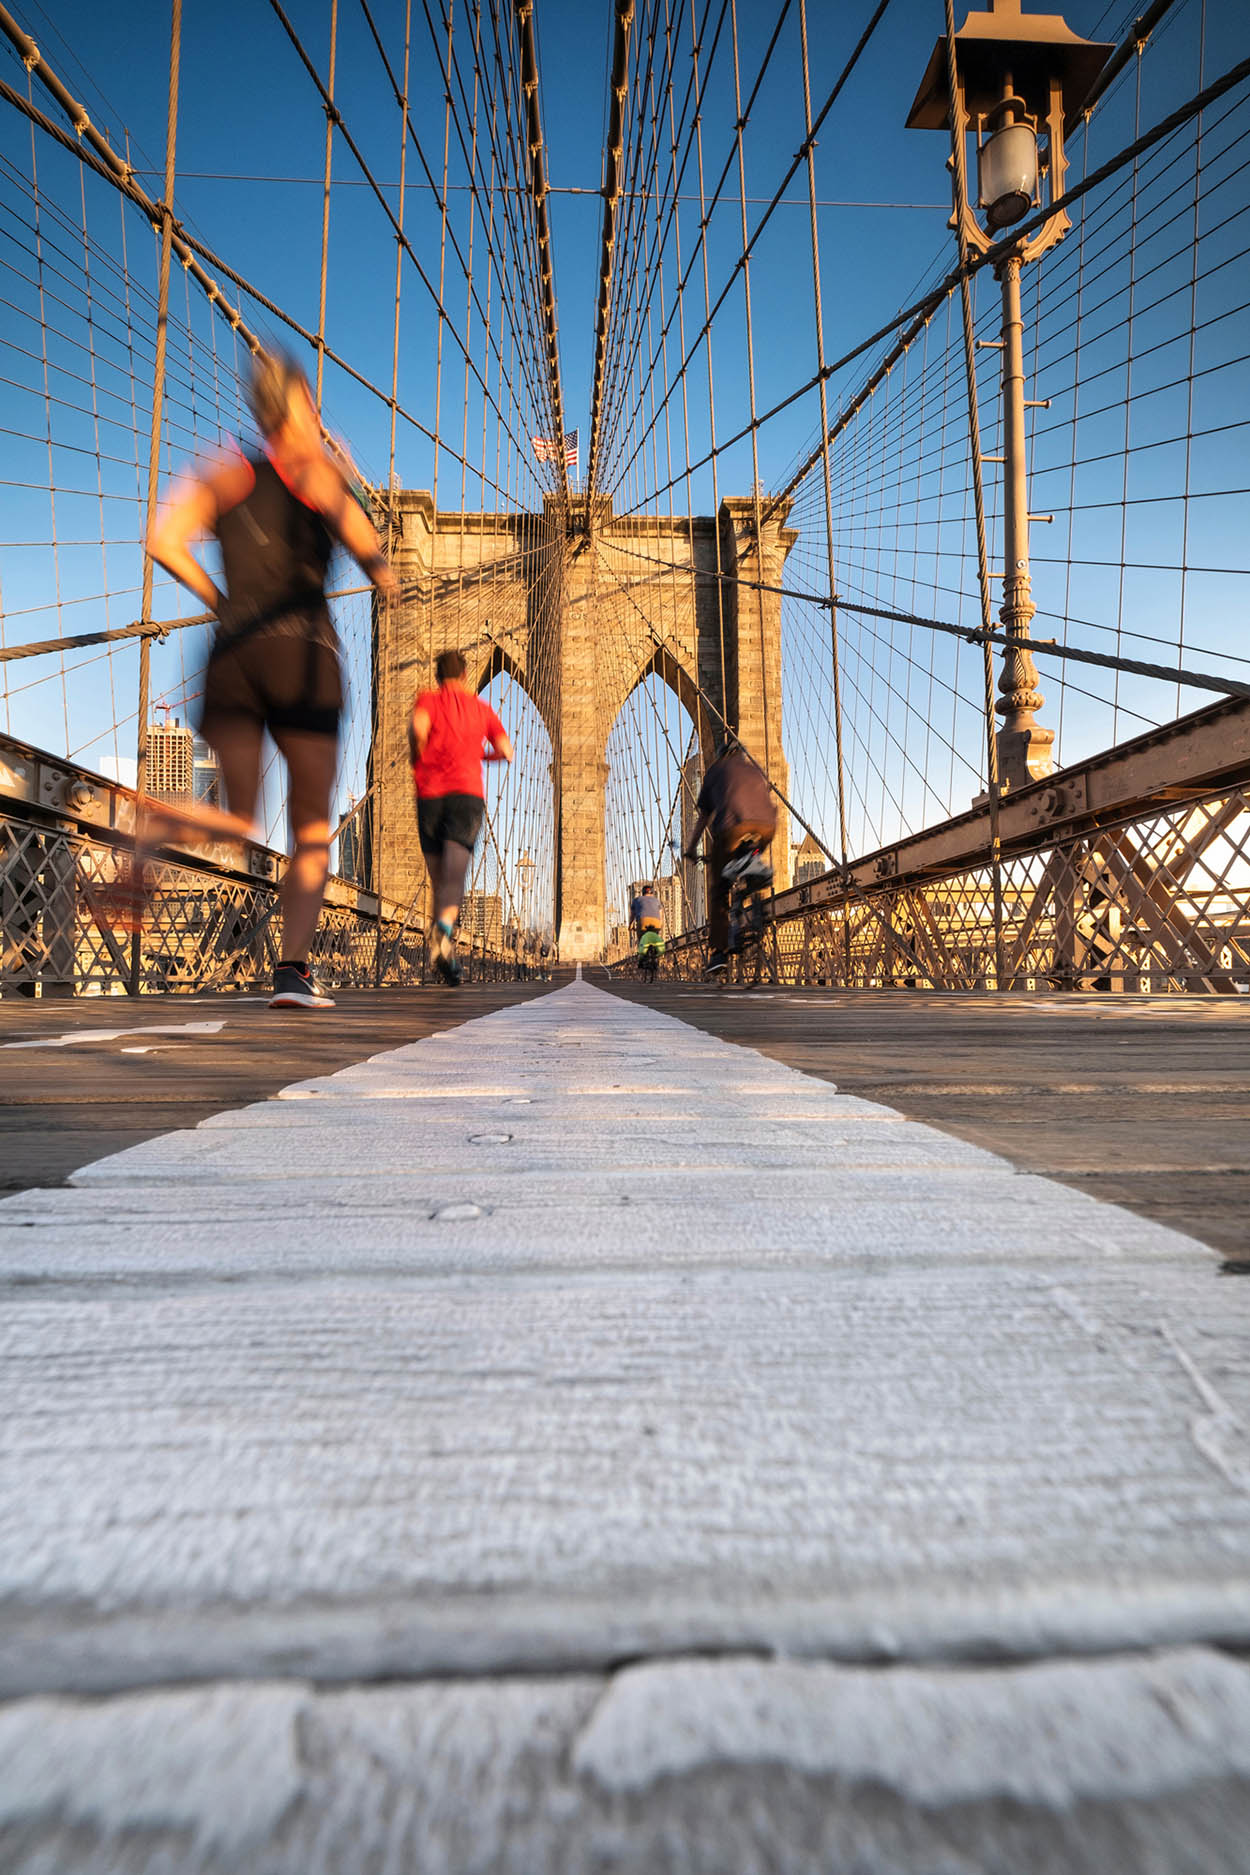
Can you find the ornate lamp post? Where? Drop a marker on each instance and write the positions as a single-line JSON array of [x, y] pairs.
[[1017, 77], [525, 871]]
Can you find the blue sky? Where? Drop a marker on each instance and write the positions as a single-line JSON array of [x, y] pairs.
[[250, 149], [247, 109]]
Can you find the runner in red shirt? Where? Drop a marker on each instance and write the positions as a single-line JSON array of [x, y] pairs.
[[449, 727]]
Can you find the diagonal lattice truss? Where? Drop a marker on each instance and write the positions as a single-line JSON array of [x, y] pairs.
[[66, 911], [1157, 904]]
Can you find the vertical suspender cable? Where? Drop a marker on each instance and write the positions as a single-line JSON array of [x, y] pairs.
[[438, 366], [755, 442], [828, 484], [758, 516], [612, 185], [154, 446], [959, 176], [538, 190], [702, 724], [384, 612], [331, 118], [730, 704]]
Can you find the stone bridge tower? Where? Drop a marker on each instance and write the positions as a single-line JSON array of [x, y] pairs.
[[579, 610]]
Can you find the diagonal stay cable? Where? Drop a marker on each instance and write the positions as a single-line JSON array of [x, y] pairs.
[[187, 246], [1194, 680], [512, 195], [682, 137], [439, 199], [849, 882], [524, 13], [336, 117], [922, 310], [796, 164], [916, 316], [619, 345], [709, 204]]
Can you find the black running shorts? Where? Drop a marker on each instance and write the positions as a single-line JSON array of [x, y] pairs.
[[285, 675], [443, 817]]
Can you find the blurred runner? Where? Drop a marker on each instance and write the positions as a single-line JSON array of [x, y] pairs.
[[274, 662], [449, 727], [736, 805]]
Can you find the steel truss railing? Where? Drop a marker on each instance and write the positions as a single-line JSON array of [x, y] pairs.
[[66, 841], [1128, 873], [1133, 908]]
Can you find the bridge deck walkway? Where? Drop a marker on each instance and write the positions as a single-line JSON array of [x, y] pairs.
[[1140, 1100], [84, 1078], [570, 1440]]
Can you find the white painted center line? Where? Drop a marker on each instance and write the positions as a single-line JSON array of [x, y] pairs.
[[75, 1036], [620, 1334]]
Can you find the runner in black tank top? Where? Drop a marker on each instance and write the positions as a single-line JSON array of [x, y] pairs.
[[275, 655], [274, 663]]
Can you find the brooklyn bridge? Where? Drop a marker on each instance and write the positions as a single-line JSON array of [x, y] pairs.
[[782, 1414]]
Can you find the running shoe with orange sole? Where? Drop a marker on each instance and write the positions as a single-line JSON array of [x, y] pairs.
[[295, 987]]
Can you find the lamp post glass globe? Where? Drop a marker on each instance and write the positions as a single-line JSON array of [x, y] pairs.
[[1008, 174]]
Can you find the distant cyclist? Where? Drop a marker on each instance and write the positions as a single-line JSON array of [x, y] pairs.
[[449, 727], [274, 662], [736, 806], [645, 911], [646, 920]]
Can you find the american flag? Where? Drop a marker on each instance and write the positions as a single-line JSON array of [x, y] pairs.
[[546, 448]]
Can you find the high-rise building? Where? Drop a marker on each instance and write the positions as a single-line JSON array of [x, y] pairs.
[[668, 891], [809, 861], [525, 890], [481, 916], [205, 774], [349, 845], [693, 896], [171, 761]]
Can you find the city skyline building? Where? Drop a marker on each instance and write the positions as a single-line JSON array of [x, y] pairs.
[[349, 844], [206, 782], [481, 916], [809, 861], [693, 895], [171, 761], [668, 891]]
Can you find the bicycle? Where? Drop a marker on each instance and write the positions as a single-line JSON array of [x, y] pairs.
[[750, 879], [650, 951]]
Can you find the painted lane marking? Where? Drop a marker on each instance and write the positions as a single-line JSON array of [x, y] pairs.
[[112, 1035]]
